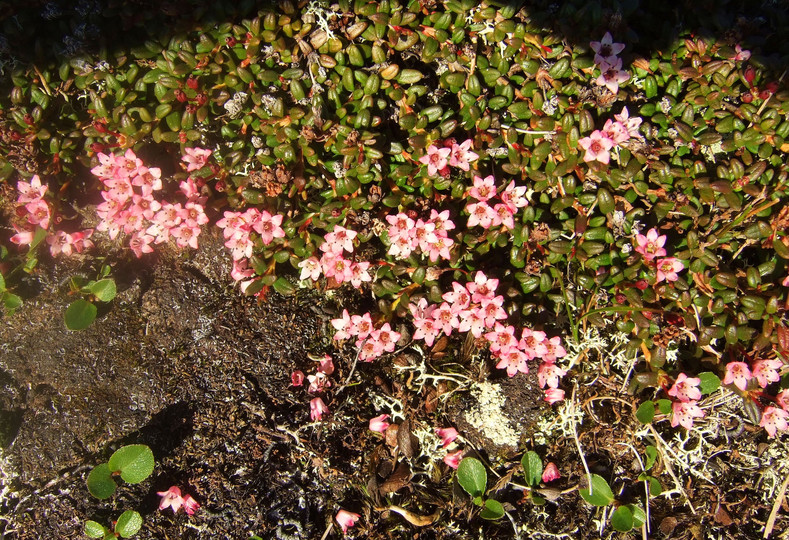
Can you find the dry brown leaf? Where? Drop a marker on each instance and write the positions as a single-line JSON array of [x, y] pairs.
[[397, 480], [408, 444]]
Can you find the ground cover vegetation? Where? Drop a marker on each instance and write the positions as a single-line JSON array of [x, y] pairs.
[[544, 249]]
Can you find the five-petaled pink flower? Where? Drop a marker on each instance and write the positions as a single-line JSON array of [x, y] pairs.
[[172, 498], [462, 155], [435, 159], [667, 269], [597, 146], [606, 49], [346, 519], [766, 371], [685, 388], [774, 420], [651, 245], [195, 158], [683, 413], [554, 395], [612, 75], [737, 373]]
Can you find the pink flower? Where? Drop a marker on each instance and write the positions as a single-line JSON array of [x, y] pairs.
[[440, 248], [766, 371], [738, 374], [310, 268], [514, 197], [554, 349], [318, 383], [533, 342], [513, 360], [774, 420], [171, 498], [268, 227], [549, 374], [338, 240], [346, 519], [386, 337], [379, 423], [651, 245], [427, 329], [606, 49], [785, 281], [612, 75], [38, 213], [631, 124], [502, 338], [341, 326], [435, 159], [550, 473], [597, 146], [140, 243], [361, 326], [483, 188], [462, 155], [370, 349], [554, 395], [452, 459], [447, 436], [685, 388], [23, 237], [667, 269], [195, 158], [325, 365], [482, 287], [481, 214], [616, 131], [683, 413], [446, 318], [190, 505], [297, 378], [32, 191], [317, 409], [783, 399], [359, 274], [741, 54]]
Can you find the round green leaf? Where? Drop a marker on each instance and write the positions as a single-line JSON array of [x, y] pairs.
[[664, 405], [492, 510], [599, 493], [646, 412], [80, 314], [639, 516], [95, 530], [104, 289], [709, 382], [472, 476], [128, 523], [100, 482], [532, 468], [651, 453], [622, 519], [283, 286], [11, 301], [134, 462]]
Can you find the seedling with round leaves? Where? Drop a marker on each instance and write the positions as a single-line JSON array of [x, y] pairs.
[[127, 525], [82, 312], [473, 478], [133, 464], [625, 517]]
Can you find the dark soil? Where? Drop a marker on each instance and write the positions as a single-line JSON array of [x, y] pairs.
[[187, 365]]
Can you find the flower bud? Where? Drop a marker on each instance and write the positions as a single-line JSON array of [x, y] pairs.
[[749, 75]]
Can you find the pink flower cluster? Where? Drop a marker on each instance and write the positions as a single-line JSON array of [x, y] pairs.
[[615, 132], [131, 208], [319, 382], [439, 158], [486, 216], [407, 236], [172, 498], [373, 342], [238, 228], [764, 372], [611, 73], [333, 264], [686, 391], [650, 246], [37, 213]]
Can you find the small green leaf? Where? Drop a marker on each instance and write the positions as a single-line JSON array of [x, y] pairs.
[[655, 488], [80, 314], [622, 519], [472, 476], [532, 468], [639, 516], [100, 482], [38, 237], [104, 289], [664, 406], [128, 523], [709, 382], [2, 283], [134, 462], [492, 510], [284, 287], [11, 301], [651, 453], [646, 412], [95, 530], [600, 493]]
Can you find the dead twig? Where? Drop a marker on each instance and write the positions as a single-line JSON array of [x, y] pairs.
[[768, 528]]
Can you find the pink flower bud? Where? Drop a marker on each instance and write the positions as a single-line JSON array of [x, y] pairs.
[[447, 435], [346, 519], [453, 458], [554, 395], [317, 409], [379, 423], [297, 378], [550, 473]]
